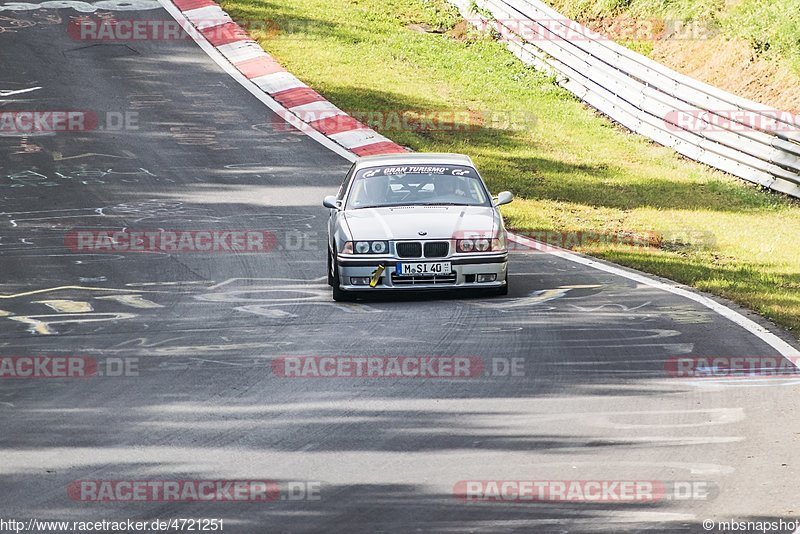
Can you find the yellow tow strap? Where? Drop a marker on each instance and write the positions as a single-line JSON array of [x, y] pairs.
[[376, 276]]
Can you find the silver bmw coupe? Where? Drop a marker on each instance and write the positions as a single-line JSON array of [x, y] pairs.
[[415, 221]]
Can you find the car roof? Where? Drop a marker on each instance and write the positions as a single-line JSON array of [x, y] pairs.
[[414, 158]]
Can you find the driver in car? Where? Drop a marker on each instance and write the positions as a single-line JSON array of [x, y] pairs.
[[374, 191], [448, 187]]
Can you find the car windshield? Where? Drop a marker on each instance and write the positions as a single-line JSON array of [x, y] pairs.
[[421, 185]]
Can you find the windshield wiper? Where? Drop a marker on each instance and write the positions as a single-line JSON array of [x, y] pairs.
[[412, 204], [383, 206]]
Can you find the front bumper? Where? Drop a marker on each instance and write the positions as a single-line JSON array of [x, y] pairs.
[[464, 269]]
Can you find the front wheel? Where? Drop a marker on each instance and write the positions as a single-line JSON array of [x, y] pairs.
[[338, 294], [503, 291], [330, 268]]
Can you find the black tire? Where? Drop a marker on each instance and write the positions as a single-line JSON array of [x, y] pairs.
[[330, 268], [503, 291], [338, 294]]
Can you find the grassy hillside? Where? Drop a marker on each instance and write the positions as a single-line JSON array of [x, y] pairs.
[[771, 27]]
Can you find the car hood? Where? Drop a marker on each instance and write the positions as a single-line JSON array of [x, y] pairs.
[[405, 222]]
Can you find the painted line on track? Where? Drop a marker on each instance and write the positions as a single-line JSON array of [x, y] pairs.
[[308, 111]]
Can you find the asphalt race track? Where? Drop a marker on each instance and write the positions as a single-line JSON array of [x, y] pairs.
[[591, 398]]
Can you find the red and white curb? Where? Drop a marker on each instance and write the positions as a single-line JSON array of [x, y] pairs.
[[291, 99], [244, 60]]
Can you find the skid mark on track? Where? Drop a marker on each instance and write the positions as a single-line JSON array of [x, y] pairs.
[[236, 280], [134, 301], [66, 288], [263, 299], [41, 324], [180, 283], [694, 468], [67, 306], [293, 295], [747, 382], [602, 307], [93, 279], [535, 298], [11, 92], [59, 156], [74, 311], [266, 311], [82, 176], [267, 298], [710, 417], [210, 349]]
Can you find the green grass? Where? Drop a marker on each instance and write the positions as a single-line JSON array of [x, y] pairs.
[[570, 168], [772, 27]]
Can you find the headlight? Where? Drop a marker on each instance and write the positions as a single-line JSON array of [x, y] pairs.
[[465, 245], [367, 247], [480, 244]]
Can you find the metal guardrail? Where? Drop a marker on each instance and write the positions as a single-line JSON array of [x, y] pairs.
[[739, 136]]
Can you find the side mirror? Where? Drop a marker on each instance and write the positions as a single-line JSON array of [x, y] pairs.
[[331, 202], [504, 198]]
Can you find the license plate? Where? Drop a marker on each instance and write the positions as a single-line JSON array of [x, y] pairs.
[[430, 269]]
